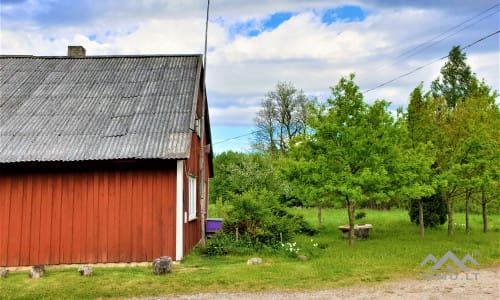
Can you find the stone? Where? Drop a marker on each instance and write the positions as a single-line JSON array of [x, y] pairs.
[[37, 272], [86, 270], [254, 261], [361, 231], [162, 265], [4, 272], [302, 257]]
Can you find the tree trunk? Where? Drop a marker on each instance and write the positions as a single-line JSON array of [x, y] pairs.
[[467, 201], [449, 203], [421, 217], [350, 213], [483, 206], [319, 213]]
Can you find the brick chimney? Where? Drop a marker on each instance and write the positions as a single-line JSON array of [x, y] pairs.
[[76, 51]]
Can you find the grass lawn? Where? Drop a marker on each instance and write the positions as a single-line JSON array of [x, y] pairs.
[[394, 251]]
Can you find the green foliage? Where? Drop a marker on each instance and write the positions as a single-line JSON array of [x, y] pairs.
[[435, 211], [254, 220], [360, 215], [224, 244], [351, 155], [456, 79], [236, 173]]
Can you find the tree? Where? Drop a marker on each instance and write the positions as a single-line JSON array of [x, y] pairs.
[[434, 210], [476, 150], [354, 143], [236, 173], [418, 156], [456, 79], [455, 94], [283, 116], [304, 173]]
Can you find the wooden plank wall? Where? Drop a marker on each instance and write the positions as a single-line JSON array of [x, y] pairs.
[[86, 217], [192, 229]]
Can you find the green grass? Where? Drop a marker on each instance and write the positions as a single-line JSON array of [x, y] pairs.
[[394, 251]]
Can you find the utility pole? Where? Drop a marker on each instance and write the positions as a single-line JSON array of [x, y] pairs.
[[202, 139]]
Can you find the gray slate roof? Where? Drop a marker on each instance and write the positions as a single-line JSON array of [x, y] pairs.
[[97, 107]]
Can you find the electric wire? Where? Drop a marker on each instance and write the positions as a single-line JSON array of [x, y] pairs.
[[236, 137], [425, 46], [428, 64], [433, 41]]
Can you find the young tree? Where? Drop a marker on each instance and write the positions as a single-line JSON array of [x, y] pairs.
[[304, 173], [356, 146], [456, 79], [236, 173], [454, 94], [418, 153], [476, 123]]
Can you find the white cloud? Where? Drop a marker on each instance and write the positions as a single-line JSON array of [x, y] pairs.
[[242, 69], [233, 115]]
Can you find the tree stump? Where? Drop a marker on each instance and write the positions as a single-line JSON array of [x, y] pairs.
[[162, 265], [86, 270], [37, 272]]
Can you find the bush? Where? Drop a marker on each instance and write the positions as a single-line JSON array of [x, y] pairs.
[[435, 211], [255, 220], [360, 215], [223, 244]]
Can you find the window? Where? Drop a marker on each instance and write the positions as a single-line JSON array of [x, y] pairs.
[[192, 198], [197, 127]]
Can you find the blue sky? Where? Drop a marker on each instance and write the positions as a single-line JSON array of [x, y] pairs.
[[253, 45]]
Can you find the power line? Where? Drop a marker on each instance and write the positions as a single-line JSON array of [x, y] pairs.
[[236, 137], [430, 63], [428, 44], [451, 29], [382, 84]]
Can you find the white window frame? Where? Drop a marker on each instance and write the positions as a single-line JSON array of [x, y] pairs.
[[192, 198]]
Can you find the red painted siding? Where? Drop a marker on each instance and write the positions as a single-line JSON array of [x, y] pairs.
[[192, 229], [55, 217]]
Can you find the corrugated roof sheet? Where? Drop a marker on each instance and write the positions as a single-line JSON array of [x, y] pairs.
[[97, 108]]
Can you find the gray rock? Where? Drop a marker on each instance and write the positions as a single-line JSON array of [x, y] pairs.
[[4, 273], [162, 265], [86, 270], [37, 272], [254, 261]]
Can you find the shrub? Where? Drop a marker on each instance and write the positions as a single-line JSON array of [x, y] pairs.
[[435, 211], [222, 244], [255, 220], [360, 215]]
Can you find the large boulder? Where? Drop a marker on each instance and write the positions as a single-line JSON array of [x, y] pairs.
[[37, 272], [86, 270], [162, 265], [254, 261], [4, 272]]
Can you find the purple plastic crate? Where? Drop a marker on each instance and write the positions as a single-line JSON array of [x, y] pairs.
[[214, 225]]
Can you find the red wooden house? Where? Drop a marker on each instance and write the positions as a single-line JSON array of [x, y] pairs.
[[101, 157]]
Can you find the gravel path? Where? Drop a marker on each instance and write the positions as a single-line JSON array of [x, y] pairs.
[[477, 284]]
